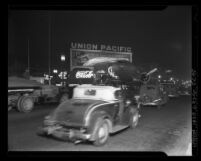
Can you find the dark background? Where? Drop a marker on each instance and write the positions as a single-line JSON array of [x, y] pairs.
[[160, 38]]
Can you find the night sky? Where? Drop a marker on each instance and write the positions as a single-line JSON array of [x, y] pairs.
[[157, 38]]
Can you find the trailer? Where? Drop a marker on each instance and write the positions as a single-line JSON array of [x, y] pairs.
[[23, 94]]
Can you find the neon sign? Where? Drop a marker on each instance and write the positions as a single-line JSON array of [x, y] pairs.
[[88, 46], [111, 73], [62, 75], [84, 74]]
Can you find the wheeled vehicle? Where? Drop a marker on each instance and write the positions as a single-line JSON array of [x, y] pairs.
[[96, 110], [153, 94], [23, 94], [171, 89]]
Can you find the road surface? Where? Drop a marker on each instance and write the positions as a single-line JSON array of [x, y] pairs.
[[167, 129]]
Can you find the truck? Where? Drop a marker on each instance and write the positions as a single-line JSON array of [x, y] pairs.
[[152, 92], [90, 72], [171, 89], [23, 94]]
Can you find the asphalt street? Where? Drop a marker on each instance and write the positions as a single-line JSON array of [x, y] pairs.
[[167, 129]]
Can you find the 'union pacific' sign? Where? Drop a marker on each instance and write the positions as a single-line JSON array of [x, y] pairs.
[[102, 47], [80, 53]]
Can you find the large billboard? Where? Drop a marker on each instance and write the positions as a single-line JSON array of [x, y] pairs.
[[81, 53]]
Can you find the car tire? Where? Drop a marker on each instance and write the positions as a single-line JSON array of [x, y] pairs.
[[25, 104], [134, 118], [101, 133], [63, 98]]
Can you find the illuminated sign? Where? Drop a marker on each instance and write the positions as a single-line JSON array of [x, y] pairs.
[[47, 77], [80, 53], [62, 75], [84, 74], [100, 47], [80, 57], [111, 73]]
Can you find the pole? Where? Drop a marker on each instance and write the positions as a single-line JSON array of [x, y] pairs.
[[28, 58], [49, 53]]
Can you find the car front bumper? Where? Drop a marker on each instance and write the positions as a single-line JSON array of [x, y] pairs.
[[153, 103], [150, 104]]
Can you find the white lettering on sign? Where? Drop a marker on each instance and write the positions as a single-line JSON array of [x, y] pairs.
[[84, 74], [84, 46], [103, 47], [111, 73]]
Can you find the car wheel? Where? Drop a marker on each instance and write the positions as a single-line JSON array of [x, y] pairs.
[[63, 98], [134, 119], [101, 133], [25, 104]]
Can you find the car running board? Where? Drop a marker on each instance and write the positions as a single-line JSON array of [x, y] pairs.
[[118, 128]]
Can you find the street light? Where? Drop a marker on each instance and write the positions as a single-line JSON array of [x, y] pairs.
[[159, 76], [55, 71], [63, 58], [168, 71]]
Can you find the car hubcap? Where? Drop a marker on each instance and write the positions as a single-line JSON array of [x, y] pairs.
[[102, 133], [135, 118], [28, 104]]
